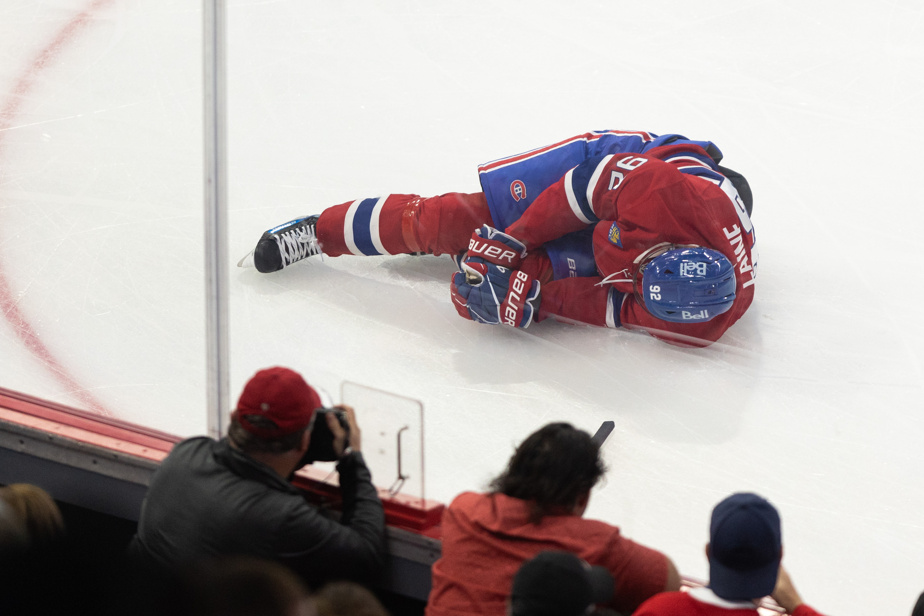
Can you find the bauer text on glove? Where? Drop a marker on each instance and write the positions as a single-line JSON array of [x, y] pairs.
[[496, 247]]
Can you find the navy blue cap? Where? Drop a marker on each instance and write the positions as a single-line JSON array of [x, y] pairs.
[[745, 547]]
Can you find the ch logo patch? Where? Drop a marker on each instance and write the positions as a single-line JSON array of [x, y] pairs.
[[615, 235], [517, 190]]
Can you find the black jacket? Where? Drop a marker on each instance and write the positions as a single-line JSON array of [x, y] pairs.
[[209, 499]]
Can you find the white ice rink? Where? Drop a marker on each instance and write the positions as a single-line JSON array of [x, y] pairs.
[[814, 399]]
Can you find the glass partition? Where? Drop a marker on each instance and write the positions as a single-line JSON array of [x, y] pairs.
[[101, 227], [102, 233]]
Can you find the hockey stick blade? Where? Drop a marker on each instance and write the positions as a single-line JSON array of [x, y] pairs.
[[246, 260], [602, 432]]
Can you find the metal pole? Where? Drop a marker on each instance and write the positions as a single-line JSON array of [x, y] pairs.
[[216, 213]]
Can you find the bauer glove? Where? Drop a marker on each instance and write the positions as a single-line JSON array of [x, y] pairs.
[[493, 246], [487, 293]]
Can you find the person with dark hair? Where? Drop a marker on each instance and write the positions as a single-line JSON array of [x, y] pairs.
[[558, 584], [240, 586], [745, 552], [919, 606], [537, 504], [232, 497]]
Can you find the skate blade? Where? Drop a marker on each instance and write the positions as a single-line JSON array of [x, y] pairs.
[[246, 260]]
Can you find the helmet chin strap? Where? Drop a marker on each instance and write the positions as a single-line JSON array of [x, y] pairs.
[[644, 258]]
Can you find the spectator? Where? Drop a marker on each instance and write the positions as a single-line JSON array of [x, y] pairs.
[[558, 584], [537, 504], [245, 586], [38, 512], [50, 571], [232, 497], [347, 599], [745, 551], [919, 606], [14, 539]]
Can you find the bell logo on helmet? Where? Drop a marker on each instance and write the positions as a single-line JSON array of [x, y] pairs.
[[690, 269], [702, 315]]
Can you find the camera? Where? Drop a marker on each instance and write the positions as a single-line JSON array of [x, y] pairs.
[[321, 445]]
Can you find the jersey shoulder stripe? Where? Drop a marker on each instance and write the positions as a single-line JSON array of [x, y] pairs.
[[581, 183], [576, 204]]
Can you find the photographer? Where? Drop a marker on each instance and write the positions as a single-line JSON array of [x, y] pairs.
[[233, 496]]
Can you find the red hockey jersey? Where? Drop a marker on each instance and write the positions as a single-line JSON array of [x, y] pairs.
[[637, 203], [703, 602]]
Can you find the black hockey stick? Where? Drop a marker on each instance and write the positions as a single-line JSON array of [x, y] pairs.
[[602, 432]]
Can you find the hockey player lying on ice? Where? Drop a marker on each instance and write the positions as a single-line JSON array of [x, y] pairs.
[[609, 228]]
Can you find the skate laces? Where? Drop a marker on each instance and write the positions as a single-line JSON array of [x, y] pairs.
[[296, 244]]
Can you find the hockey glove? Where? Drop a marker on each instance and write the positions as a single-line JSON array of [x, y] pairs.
[[496, 247], [487, 293]]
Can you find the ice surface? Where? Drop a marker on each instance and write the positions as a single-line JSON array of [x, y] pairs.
[[814, 399]]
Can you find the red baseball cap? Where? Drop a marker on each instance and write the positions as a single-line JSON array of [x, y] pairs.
[[280, 395]]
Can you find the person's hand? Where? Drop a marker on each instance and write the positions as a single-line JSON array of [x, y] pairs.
[[340, 434], [785, 593]]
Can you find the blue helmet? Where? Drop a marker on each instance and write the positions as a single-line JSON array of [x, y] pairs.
[[688, 285]]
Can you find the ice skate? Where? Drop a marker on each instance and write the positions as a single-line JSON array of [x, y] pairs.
[[284, 245]]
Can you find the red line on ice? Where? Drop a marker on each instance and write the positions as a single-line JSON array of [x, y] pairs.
[[9, 109]]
